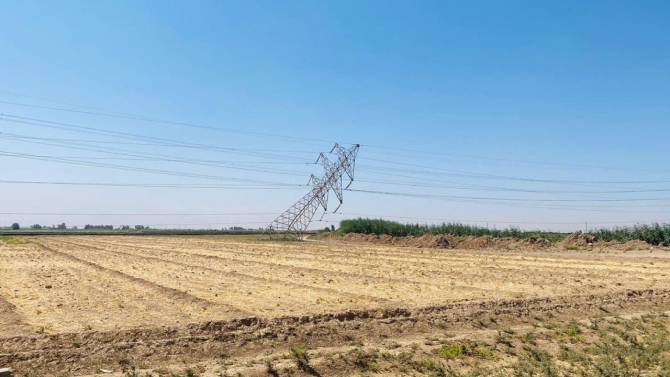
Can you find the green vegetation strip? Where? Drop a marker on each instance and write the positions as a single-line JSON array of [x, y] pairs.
[[655, 234]]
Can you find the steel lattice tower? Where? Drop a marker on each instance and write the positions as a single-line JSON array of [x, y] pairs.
[[297, 218]]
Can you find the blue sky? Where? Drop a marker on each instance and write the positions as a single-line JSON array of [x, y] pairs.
[[559, 83]]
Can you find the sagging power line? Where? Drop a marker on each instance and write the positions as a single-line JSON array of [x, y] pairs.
[[137, 169], [152, 185], [389, 150], [416, 175]]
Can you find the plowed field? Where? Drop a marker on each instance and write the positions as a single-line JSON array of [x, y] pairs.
[[76, 298]]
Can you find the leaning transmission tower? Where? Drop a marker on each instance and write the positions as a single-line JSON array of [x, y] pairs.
[[296, 219]]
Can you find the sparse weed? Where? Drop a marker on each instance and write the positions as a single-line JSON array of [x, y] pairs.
[[571, 334], [483, 352], [451, 351], [366, 361], [301, 357], [535, 362], [504, 338], [529, 338]]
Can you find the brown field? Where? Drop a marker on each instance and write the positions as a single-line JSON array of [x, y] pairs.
[[71, 305]]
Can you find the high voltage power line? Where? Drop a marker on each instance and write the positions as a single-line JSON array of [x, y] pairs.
[[517, 161], [152, 120], [230, 164], [157, 144], [516, 205], [471, 187], [494, 221], [333, 213], [127, 135], [155, 185], [523, 179], [137, 214], [509, 199], [382, 171], [161, 157], [144, 170], [65, 160], [235, 150], [107, 150], [204, 186], [395, 150], [77, 128], [413, 175]]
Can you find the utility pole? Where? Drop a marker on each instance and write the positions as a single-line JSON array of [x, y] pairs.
[[297, 218]]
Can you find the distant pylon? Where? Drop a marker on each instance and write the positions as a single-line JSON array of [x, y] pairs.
[[297, 218]]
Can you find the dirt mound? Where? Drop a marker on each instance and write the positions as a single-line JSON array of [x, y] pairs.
[[636, 245], [628, 246], [542, 242], [442, 241], [579, 239], [427, 240], [575, 241]]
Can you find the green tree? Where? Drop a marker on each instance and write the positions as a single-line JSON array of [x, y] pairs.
[[16, 226]]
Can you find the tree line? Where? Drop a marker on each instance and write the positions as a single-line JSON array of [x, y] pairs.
[[63, 226], [655, 234]]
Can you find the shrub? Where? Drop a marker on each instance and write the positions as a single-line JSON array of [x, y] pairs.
[[483, 352], [451, 351]]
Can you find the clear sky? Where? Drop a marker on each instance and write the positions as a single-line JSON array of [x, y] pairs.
[[521, 112]]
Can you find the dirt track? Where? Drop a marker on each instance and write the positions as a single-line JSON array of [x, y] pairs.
[[81, 303]]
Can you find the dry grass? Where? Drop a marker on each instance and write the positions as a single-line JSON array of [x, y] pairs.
[[612, 346]]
